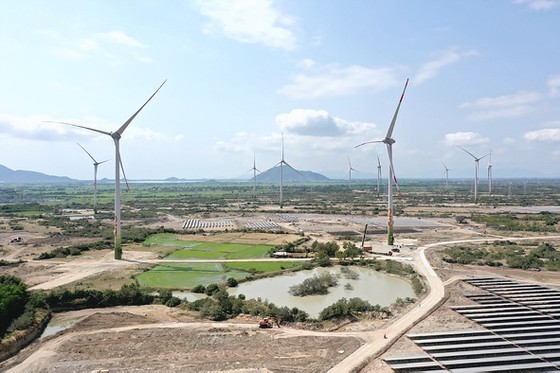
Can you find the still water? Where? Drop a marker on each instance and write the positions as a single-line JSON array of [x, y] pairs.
[[375, 287]]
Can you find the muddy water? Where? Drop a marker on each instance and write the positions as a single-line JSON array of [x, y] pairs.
[[375, 287]]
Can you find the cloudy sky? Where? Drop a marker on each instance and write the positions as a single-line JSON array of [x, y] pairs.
[[327, 75]]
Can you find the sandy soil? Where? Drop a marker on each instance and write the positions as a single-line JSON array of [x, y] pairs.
[[153, 338]]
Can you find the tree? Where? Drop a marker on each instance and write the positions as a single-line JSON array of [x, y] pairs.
[[350, 250]]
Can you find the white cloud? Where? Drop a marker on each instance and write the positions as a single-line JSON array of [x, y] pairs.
[[545, 134], [509, 106], [538, 4], [119, 37], [509, 141], [249, 21], [431, 69], [39, 129], [336, 80], [105, 44], [308, 123], [307, 63], [554, 85], [464, 138]]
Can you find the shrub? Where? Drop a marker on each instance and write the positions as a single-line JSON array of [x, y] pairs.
[[199, 289], [231, 282]]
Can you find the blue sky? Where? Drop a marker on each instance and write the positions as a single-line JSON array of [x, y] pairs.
[[484, 75]]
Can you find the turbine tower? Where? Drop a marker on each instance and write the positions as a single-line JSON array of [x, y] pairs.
[[95, 165], [475, 171], [446, 173], [281, 164], [378, 176], [389, 141], [116, 136], [490, 173], [350, 169]]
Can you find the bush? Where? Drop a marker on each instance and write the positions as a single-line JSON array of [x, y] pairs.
[[211, 289], [314, 285], [231, 282], [199, 289]]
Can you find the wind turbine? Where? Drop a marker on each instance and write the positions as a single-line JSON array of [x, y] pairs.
[[475, 170], [350, 169], [95, 165], [255, 170], [116, 136], [446, 173], [378, 175], [281, 164], [490, 173], [389, 141]]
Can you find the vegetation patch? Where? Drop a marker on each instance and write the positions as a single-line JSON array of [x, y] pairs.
[[500, 253], [212, 250], [189, 275]]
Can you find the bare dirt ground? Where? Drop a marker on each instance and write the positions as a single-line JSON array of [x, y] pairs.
[[158, 338], [164, 339]]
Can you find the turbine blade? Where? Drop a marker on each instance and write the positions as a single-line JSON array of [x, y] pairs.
[[84, 149], [367, 142], [75, 125], [392, 126], [390, 156], [107, 160], [124, 175], [466, 151], [378, 162], [123, 127], [286, 163]]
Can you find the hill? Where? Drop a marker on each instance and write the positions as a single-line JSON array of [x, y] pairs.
[[10, 176], [272, 175]]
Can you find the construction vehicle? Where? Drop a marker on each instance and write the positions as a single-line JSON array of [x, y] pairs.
[[268, 322]]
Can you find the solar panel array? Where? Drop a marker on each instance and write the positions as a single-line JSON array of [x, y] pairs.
[[521, 333], [207, 224]]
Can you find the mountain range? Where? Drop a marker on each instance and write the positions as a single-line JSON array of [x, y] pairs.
[[8, 175], [271, 175]]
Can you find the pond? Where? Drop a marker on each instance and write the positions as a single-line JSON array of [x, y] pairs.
[[372, 286]]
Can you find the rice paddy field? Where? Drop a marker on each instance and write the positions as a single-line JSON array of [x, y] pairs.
[[187, 275]]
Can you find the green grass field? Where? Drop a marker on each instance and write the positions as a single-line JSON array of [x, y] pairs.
[[188, 275]]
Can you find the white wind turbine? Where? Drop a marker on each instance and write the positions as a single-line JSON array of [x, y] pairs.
[[476, 160], [378, 175], [281, 164], [389, 141], [350, 169], [490, 173], [116, 136], [95, 165], [255, 170], [446, 173]]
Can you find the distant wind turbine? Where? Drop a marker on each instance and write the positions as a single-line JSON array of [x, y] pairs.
[[281, 164], [490, 173], [350, 169], [475, 170], [95, 165], [389, 141], [446, 173], [378, 175], [116, 136], [255, 170]]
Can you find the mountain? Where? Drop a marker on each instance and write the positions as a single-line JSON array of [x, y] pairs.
[[8, 175], [272, 175]]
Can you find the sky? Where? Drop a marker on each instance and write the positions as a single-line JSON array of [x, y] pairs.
[[324, 75]]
